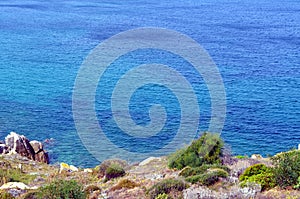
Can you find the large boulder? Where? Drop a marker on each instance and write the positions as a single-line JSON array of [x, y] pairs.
[[19, 144], [40, 154], [3, 149]]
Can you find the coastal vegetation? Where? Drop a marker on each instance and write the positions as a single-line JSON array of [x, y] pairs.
[[166, 186], [63, 189], [204, 169], [205, 150], [287, 169], [260, 174]]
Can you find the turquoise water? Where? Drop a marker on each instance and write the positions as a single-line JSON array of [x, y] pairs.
[[255, 44]]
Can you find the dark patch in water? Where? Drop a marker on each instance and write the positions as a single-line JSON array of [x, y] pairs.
[[288, 39], [24, 6]]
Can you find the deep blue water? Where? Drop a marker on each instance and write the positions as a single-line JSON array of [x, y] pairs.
[[255, 44]]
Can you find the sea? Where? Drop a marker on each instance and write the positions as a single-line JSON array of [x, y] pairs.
[[254, 44]]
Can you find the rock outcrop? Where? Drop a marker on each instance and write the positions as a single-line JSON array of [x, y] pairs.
[[3, 148], [40, 154], [19, 144]]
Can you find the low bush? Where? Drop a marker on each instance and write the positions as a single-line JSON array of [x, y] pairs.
[[163, 196], [30, 195], [91, 188], [297, 186], [205, 150], [166, 186], [287, 168], [5, 195], [114, 171], [124, 183], [14, 175], [62, 189], [101, 169], [253, 170], [189, 171], [241, 157], [260, 174], [208, 178], [266, 180]]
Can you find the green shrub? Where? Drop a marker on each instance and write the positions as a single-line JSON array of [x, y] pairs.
[[5, 195], [287, 168], [266, 180], [91, 188], [253, 170], [189, 171], [205, 150], [14, 175], [62, 189], [166, 186], [240, 157], [101, 169], [208, 178], [30, 195], [297, 186], [124, 183], [163, 196], [114, 171], [260, 174]]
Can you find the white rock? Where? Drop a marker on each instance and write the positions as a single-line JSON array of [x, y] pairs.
[[19, 144], [73, 168], [256, 156], [66, 167], [3, 149], [88, 170], [17, 185], [148, 160]]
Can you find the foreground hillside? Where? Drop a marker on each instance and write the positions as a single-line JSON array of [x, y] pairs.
[[202, 170]]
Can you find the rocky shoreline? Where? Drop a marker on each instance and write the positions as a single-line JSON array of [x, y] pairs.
[[27, 162], [19, 144]]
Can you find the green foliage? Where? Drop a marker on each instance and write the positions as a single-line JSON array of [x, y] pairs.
[[30, 195], [189, 171], [14, 175], [205, 150], [265, 179], [5, 195], [62, 189], [91, 188], [100, 170], [297, 186], [240, 157], [163, 196], [114, 171], [253, 170], [124, 183], [260, 174], [287, 168], [208, 178], [166, 186]]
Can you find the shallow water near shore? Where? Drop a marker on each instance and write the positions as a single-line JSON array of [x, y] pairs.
[[255, 45]]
